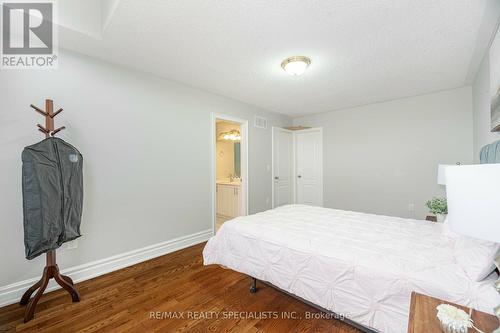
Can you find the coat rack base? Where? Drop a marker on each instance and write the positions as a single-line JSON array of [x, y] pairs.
[[51, 271]]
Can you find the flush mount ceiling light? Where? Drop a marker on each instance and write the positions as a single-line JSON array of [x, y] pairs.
[[296, 65]]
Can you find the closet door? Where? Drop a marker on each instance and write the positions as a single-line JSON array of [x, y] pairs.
[[282, 167], [309, 166]]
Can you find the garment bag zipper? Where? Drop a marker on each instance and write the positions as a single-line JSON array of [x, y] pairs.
[[62, 187]]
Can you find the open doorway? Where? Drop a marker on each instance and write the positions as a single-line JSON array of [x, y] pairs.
[[230, 169]]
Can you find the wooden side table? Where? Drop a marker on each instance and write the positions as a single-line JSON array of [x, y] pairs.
[[423, 316]]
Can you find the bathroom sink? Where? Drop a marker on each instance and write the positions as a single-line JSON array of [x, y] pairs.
[[235, 182]]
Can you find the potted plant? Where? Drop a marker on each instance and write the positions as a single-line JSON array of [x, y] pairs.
[[438, 207]]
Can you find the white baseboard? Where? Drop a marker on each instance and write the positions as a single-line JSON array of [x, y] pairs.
[[12, 293]]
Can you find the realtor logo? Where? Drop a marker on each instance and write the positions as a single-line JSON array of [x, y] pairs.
[[28, 35]]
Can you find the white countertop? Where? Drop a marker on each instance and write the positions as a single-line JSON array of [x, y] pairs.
[[235, 182]]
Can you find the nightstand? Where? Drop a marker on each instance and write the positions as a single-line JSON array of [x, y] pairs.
[[423, 316]]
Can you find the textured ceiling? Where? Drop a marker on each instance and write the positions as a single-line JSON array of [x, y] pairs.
[[362, 51]]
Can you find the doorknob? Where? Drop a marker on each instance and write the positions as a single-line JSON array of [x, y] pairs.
[[299, 176], [276, 177]]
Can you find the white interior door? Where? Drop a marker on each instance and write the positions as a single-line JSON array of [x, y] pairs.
[[309, 166], [282, 167]]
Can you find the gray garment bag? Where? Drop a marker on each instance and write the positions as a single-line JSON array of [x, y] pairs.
[[52, 195]]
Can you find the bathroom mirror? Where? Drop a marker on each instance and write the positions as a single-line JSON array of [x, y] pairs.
[[237, 159]]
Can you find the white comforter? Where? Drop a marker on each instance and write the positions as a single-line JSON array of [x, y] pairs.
[[360, 265]]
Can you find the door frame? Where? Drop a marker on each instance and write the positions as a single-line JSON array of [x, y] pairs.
[[313, 129], [292, 181], [244, 162]]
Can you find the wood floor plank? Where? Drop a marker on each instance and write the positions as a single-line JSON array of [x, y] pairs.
[[145, 297]]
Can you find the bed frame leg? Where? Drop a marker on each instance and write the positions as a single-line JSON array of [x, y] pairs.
[[253, 286]]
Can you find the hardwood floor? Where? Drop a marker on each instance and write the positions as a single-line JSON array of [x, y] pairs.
[[140, 298]]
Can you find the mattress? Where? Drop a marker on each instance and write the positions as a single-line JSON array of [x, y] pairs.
[[363, 266]]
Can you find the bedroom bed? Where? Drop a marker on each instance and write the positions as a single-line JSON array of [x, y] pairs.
[[360, 266]]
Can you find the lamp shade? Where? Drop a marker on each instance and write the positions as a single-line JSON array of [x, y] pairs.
[[442, 173], [473, 193]]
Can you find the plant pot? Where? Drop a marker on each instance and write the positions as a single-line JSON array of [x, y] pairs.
[[441, 217]]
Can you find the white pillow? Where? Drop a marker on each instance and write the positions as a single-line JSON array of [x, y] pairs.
[[476, 257]]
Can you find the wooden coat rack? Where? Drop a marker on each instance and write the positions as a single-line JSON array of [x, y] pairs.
[[51, 270]]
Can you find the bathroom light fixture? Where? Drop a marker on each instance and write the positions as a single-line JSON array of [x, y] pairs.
[[296, 65], [233, 135]]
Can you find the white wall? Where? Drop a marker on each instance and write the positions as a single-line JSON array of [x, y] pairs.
[[224, 159], [482, 110], [146, 148], [381, 157]]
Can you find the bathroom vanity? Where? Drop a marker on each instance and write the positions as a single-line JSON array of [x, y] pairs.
[[228, 198]]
